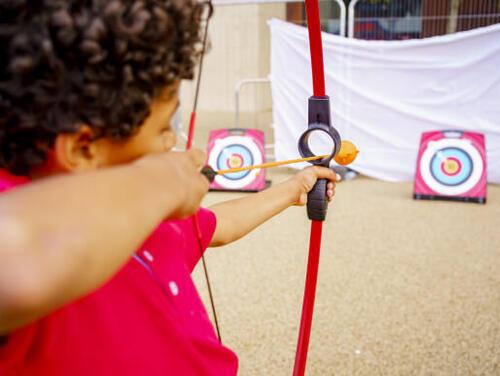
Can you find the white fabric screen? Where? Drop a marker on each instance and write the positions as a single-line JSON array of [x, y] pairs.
[[384, 94]]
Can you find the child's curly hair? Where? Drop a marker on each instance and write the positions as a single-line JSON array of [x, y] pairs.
[[64, 63]]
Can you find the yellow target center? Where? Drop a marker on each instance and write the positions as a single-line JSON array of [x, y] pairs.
[[451, 166], [235, 161]]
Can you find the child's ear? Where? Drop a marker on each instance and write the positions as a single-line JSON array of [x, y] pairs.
[[77, 151]]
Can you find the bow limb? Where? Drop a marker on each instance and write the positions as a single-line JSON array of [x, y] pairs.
[[318, 76]]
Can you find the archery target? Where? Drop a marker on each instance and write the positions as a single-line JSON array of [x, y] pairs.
[[235, 151], [452, 165]]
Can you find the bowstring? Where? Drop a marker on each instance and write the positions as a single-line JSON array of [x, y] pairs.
[[196, 223]]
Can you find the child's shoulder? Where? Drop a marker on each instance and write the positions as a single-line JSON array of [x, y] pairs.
[[205, 222], [183, 237]]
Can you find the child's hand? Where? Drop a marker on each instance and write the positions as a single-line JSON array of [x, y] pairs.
[[182, 170], [306, 179], [185, 167]]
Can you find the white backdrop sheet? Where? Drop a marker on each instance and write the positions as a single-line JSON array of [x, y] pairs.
[[384, 94]]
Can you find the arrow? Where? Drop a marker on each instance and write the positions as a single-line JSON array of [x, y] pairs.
[[210, 173], [346, 155]]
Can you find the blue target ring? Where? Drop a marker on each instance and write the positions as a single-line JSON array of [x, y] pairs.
[[229, 151], [454, 154]]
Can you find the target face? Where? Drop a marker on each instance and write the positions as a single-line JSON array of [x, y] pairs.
[[451, 166], [234, 152]]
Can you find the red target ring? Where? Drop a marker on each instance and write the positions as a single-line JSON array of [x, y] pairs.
[[451, 166], [235, 160]]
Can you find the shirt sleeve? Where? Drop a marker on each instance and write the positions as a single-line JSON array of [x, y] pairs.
[[9, 181], [207, 221], [16, 348]]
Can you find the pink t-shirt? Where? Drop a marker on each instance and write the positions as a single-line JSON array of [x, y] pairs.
[[147, 320]]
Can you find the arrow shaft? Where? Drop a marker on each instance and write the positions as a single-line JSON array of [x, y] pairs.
[[269, 164]]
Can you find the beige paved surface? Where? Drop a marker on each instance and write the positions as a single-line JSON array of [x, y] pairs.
[[406, 287]]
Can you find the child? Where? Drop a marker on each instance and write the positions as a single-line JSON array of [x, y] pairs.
[[93, 85]]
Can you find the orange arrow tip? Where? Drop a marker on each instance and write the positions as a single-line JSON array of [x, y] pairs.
[[347, 154]]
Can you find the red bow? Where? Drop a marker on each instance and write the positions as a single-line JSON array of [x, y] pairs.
[[318, 76], [313, 21]]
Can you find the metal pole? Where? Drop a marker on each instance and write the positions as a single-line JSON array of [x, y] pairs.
[[350, 18], [342, 16], [237, 89]]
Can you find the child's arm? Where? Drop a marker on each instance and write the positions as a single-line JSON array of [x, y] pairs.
[[63, 237], [236, 218]]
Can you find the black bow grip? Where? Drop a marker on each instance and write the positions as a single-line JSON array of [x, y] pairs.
[[319, 120]]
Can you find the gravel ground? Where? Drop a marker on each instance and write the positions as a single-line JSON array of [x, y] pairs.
[[405, 288]]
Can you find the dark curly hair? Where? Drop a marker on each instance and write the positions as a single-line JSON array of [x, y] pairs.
[[64, 63]]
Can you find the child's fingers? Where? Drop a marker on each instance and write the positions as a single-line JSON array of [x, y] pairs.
[[198, 157], [330, 193], [325, 173]]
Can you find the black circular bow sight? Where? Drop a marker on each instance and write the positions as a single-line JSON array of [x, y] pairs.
[[320, 138]]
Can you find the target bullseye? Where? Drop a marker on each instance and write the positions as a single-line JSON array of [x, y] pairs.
[[235, 161], [451, 166]]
